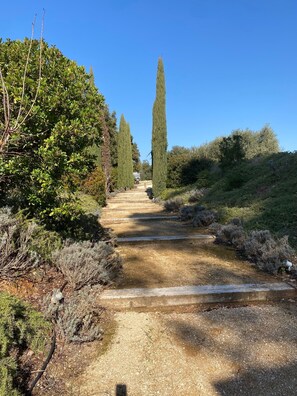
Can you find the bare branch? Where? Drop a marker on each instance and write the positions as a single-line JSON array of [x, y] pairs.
[[39, 76], [6, 107], [8, 129], [25, 72]]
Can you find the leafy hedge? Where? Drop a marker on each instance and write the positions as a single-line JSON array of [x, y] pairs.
[[21, 327]]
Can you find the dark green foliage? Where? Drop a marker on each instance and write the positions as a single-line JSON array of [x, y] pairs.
[[113, 132], [235, 179], [47, 156], [231, 151], [145, 171], [265, 200], [159, 134], [186, 167], [125, 164], [21, 328], [199, 165], [95, 184], [135, 156]]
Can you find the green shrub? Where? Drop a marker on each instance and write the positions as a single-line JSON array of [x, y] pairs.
[[114, 179], [21, 327], [234, 180], [95, 185]]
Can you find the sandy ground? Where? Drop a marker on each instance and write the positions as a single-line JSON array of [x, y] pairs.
[[182, 263], [239, 351]]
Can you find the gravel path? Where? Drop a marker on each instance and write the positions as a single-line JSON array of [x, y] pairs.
[[240, 351], [250, 350]]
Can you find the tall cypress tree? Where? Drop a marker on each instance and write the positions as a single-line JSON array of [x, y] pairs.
[[159, 134], [130, 177], [125, 164]]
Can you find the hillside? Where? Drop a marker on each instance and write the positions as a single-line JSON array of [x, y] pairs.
[[261, 191]]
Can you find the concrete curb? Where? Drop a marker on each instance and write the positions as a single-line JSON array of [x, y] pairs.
[[138, 218], [163, 238], [142, 298]]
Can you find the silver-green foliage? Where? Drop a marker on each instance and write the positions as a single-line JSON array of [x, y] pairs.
[[79, 318], [86, 263], [267, 252], [23, 244]]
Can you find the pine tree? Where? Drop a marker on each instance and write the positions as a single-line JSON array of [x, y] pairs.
[[125, 164], [159, 134]]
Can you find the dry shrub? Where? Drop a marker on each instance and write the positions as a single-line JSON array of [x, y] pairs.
[[173, 205], [186, 213], [200, 216], [79, 319], [203, 218], [196, 195], [231, 234], [17, 257], [267, 252], [86, 263], [260, 247]]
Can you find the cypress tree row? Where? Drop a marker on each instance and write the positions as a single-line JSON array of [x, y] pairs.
[[159, 134], [125, 164]]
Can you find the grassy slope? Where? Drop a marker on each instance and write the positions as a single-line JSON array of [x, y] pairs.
[[262, 191]]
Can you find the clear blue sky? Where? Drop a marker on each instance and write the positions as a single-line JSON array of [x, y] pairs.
[[228, 63]]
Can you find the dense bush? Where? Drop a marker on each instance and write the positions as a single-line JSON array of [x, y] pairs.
[[145, 171], [199, 165], [184, 166], [21, 328], [233, 234], [79, 318], [86, 263], [45, 159], [95, 185], [196, 195], [187, 212], [199, 215], [267, 252], [23, 244], [203, 218], [173, 205], [235, 179]]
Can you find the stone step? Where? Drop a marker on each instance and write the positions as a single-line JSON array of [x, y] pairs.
[[158, 298], [154, 238], [137, 218], [130, 201]]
